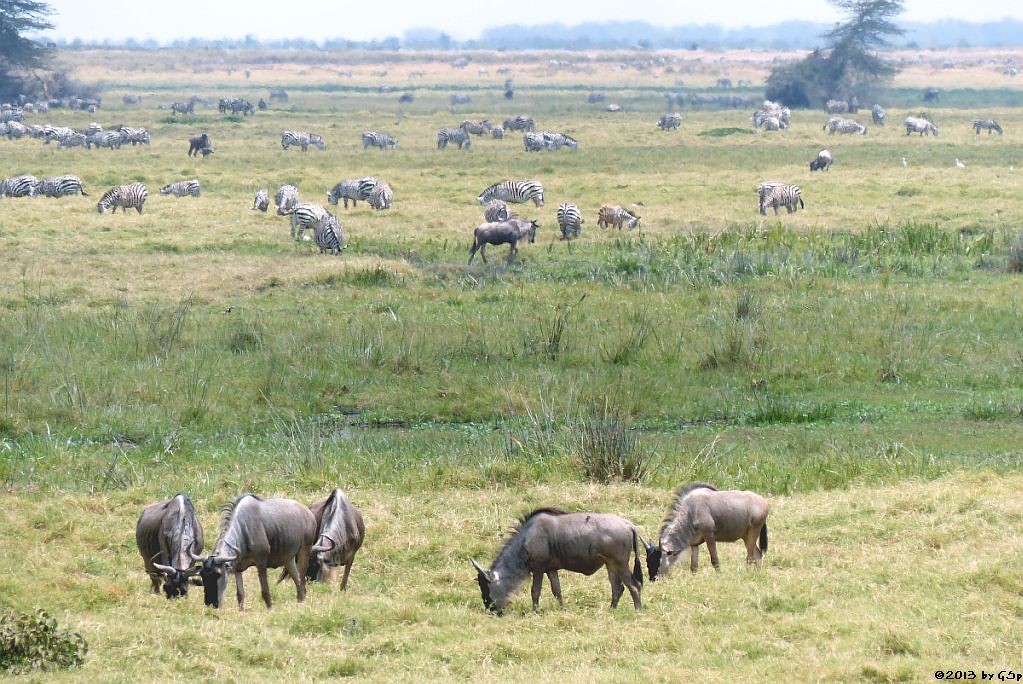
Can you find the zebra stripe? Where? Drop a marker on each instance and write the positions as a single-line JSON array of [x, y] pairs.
[[182, 108], [59, 186], [381, 197], [497, 132], [916, 124], [495, 211], [533, 142], [476, 127], [837, 124], [517, 191], [302, 139], [987, 124], [15, 129], [520, 123], [182, 188], [261, 201], [353, 189], [614, 216], [72, 140], [458, 136], [285, 199], [305, 215], [381, 140], [20, 186], [51, 133], [329, 235], [236, 104], [134, 135], [109, 139], [670, 121], [132, 195], [92, 129], [570, 221], [775, 194]]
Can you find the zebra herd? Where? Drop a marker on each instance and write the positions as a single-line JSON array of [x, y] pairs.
[[94, 135], [27, 185]]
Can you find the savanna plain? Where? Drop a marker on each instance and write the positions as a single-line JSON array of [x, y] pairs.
[[859, 363]]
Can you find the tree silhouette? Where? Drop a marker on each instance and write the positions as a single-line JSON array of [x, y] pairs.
[[18, 53]]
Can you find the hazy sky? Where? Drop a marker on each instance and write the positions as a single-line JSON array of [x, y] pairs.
[[318, 19]]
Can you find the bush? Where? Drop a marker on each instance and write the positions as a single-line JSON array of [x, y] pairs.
[[32, 641]]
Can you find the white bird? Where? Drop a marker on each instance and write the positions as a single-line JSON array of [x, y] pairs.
[[904, 161], [959, 164]]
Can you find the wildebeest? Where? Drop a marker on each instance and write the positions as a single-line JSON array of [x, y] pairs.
[[197, 143], [340, 530], [700, 513], [822, 162], [168, 534], [266, 533], [508, 232], [549, 539]]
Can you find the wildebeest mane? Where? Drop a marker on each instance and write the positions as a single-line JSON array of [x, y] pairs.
[[681, 494], [523, 520], [227, 512]]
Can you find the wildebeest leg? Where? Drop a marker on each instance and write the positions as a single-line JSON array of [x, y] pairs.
[[511, 253], [712, 547], [483, 252], [694, 558], [239, 590], [298, 578], [552, 576], [157, 581], [616, 586], [634, 589], [536, 588], [344, 577], [264, 585]]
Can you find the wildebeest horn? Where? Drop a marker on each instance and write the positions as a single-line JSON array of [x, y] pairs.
[[480, 568], [317, 548], [165, 569], [195, 556]]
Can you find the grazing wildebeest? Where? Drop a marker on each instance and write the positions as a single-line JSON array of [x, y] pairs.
[[548, 540], [502, 232], [700, 513], [822, 162], [266, 533], [198, 143], [340, 534], [168, 533]]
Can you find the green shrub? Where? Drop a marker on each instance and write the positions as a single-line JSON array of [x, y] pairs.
[[32, 641]]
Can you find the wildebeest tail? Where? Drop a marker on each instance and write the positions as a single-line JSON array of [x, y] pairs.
[[763, 538], [637, 567]]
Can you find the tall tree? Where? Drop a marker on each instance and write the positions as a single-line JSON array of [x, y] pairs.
[[18, 53]]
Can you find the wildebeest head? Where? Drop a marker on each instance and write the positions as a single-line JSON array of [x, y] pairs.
[[653, 560], [533, 225], [668, 553], [486, 578], [213, 572], [176, 581], [325, 554]]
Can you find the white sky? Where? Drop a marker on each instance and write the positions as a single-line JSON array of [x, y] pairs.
[[166, 20]]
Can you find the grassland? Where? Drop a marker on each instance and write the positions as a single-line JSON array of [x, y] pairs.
[[859, 362]]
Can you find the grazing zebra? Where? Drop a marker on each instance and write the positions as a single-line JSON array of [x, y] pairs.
[[353, 189], [877, 114], [476, 127], [822, 162], [613, 216], [837, 106], [197, 143], [771, 123], [517, 191], [555, 141], [304, 215], [15, 129], [520, 123], [134, 135], [236, 104], [132, 195], [837, 124], [533, 142], [495, 211], [182, 188], [381, 140], [72, 140], [51, 133], [302, 139], [987, 124], [20, 186], [381, 197], [182, 108], [261, 200], [774, 194], [915, 124], [92, 129], [497, 132], [329, 235], [285, 199], [109, 139], [458, 136], [670, 121], [59, 186], [570, 221], [772, 109]]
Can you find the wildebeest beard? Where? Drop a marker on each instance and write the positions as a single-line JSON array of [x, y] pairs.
[[488, 601], [176, 585], [653, 561]]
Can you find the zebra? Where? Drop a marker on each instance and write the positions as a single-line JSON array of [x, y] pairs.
[[772, 109], [261, 200], [182, 108], [353, 189], [837, 124], [822, 162], [987, 124], [533, 142], [774, 194], [520, 123], [915, 124], [837, 106], [497, 132], [92, 129], [878, 115], [59, 186], [495, 211], [476, 127], [236, 104], [15, 129], [132, 195], [670, 121], [613, 216], [329, 235], [304, 215], [20, 186], [285, 199], [134, 135], [458, 136], [517, 191], [51, 133], [771, 123], [381, 197], [381, 140], [109, 139], [555, 141], [182, 188], [302, 139], [72, 140], [570, 221]]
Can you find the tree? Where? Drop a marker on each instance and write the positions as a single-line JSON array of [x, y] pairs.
[[18, 53], [849, 66]]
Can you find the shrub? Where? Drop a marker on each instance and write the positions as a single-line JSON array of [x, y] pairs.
[[32, 641]]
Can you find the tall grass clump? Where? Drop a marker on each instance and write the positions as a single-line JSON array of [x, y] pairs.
[[607, 446], [738, 340], [1015, 260]]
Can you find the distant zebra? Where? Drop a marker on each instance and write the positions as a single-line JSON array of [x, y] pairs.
[[774, 194], [878, 115], [614, 216], [497, 132], [72, 140], [837, 106], [182, 188], [495, 211], [92, 129], [15, 129], [261, 201], [822, 162], [381, 197], [285, 199], [915, 124], [132, 195], [51, 133], [304, 215], [476, 127], [520, 123], [381, 140], [670, 121], [570, 221], [110, 139], [533, 142], [987, 124], [20, 186], [458, 136], [837, 124], [517, 191], [328, 235], [302, 139], [59, 186], [182, 108], [353, 189], [235, 105], [134, 135], [555, 141]]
